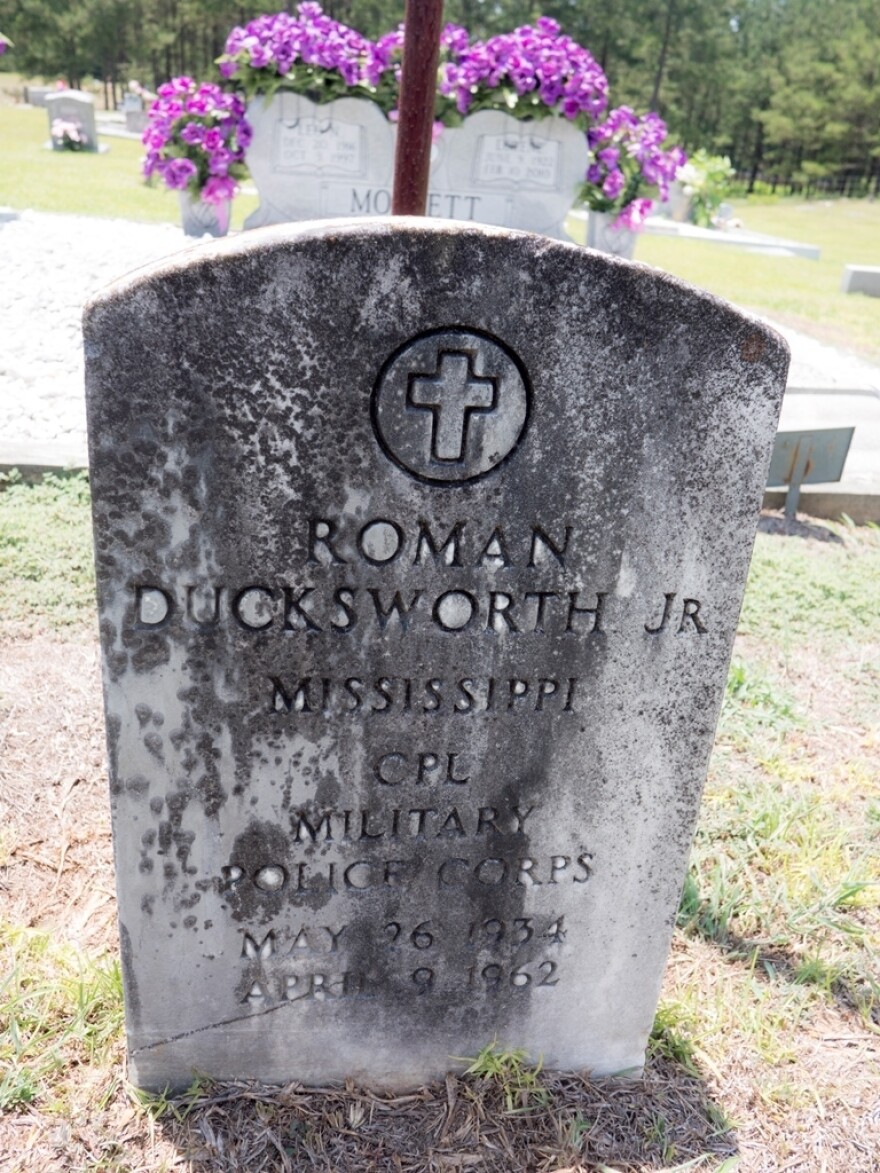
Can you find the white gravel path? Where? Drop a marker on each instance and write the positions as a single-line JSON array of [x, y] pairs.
[[50, 265]]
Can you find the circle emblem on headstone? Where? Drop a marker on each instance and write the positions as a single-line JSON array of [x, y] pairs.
[[450, 405]]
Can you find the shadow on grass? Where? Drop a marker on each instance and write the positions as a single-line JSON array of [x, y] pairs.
[[663, 1120], [849, 992], [777, 523]]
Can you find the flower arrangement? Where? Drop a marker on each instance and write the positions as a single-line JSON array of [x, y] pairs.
[[310, 53], [197, 134], [533, 72], [196, 137], [628, 158], [706, 179], [68, 135], [5, 44]]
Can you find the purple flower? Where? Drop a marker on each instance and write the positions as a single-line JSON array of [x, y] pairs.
[[245, 134], [177, 173], [634, 215], [628, 155], [539, 58], [277, 42], [220, 161], [195, 133], [614, 184], [218, 189]]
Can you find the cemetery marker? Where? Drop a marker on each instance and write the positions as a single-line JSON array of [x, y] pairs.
[[420, 550]]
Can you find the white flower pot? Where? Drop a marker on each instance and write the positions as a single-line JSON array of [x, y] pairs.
[[620, 242], [204, 219]]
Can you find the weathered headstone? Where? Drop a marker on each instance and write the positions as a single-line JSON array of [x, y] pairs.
[[75, 107], [337, 159], [420, 552]]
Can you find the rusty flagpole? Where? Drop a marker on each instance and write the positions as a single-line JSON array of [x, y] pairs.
[[412, 159]]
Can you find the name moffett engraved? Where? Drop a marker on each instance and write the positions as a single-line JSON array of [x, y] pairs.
[[451, 405]]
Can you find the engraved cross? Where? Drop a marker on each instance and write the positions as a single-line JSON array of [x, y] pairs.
[[452, 394]]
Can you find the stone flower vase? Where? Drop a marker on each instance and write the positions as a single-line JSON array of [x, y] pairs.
[[620, 242], [204, 219]]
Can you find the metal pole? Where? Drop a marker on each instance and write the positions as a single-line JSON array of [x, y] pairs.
[[412, 159]]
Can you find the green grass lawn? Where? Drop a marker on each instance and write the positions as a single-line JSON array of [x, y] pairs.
[[107, 184], [800, 293]]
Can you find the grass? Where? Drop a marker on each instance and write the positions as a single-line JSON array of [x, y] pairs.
[[799, 293], [46, 566], [106, 184], [512, 1072], [60, 1011], [798, 595]]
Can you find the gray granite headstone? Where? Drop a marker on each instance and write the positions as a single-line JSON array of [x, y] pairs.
[[337, 159], [74, 106], [36, 95], [420, 551]]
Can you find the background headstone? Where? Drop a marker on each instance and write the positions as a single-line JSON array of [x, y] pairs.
[[74, 106], [496, 169], [136, 121], [311, 161], [420, 552], [36, 95]]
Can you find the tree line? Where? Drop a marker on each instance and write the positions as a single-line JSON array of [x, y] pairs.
[[788, 89]]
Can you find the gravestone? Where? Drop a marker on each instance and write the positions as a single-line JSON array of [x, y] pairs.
[[36, 95], [76, 107], [496, 169], [137, 121], [420, 551], [311, 161], [136, 117], [861, 279]]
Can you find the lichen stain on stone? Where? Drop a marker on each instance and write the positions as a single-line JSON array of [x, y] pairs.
[[129, 974], [261, 845]]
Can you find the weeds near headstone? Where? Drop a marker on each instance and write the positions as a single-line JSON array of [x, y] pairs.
[[511, 1071], [58, 1009]]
